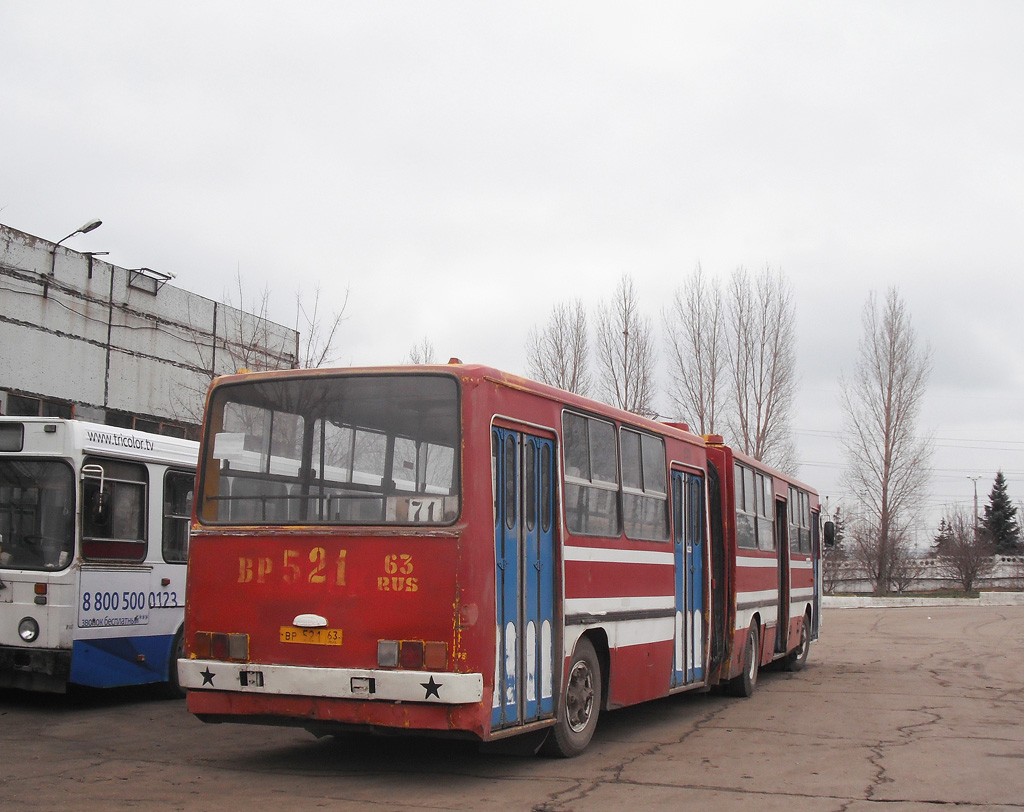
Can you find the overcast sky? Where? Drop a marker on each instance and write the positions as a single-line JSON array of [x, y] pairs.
[[460, 168]]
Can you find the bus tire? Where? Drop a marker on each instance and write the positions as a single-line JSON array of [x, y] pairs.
[[174, 689], [579, 705], [797, 658], [744, 684]]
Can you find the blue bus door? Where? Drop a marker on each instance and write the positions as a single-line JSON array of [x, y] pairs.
[[688, 542], [524, 544]]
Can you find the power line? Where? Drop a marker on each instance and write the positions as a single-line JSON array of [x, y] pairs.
[[944, 442]]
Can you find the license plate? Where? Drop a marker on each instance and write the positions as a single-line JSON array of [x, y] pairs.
[[313, 637]]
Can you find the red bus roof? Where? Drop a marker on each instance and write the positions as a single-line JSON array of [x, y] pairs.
[[482, 373]]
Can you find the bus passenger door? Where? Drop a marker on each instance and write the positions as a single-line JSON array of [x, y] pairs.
[[688, 543], [782, 534], [523, 469], [816, 559]]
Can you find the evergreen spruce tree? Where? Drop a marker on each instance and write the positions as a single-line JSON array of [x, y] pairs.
[[1001, 519], [943, 538], [834, 556], [839, 520]]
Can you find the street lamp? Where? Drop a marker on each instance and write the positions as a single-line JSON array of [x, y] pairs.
[[92, 225]]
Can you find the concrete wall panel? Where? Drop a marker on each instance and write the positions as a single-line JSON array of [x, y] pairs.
[[98, 335], [49, 365]]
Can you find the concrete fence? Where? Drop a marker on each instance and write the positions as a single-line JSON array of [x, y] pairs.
[[927, 574], [867, 601]]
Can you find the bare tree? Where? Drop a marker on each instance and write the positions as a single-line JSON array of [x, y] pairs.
[[907, 568], [250, 342], [243, 337], [695, 339], [625, 352], [887, 562], [559, 355], [886, 462], [239, 337], [761, 347], [317, 333], [422, 353], [968, 554], [833, 560]]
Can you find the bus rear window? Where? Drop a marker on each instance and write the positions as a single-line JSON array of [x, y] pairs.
[[344, 449], [12, 436]]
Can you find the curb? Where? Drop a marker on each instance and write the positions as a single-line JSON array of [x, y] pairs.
[[867, 601]]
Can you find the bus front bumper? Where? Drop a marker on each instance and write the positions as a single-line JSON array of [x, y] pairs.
[[35, 669]]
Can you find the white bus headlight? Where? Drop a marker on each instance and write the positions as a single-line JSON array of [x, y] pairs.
[[28, 630]]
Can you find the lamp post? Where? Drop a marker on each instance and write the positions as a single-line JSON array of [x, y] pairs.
[[975, 479], [92, 225]]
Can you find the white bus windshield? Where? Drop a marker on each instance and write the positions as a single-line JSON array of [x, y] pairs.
[[37, 514], [347, 449]]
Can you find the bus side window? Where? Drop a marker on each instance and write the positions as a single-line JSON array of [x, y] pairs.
[[591, 476], [114, 515]]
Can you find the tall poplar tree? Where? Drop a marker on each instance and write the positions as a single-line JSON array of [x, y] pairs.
[[761, 357], [695, 341], [559, 355], [887, 462], [626, 357]]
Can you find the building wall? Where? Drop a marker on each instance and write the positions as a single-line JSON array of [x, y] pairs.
[[114, 344]]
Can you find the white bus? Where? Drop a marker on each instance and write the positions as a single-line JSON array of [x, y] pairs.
[[94, 528]]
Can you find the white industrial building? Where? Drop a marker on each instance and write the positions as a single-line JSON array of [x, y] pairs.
[[80, 337]]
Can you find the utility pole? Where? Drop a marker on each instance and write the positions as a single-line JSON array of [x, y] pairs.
[[975, 479]]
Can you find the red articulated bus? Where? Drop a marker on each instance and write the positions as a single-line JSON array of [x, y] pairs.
[[453, 550]]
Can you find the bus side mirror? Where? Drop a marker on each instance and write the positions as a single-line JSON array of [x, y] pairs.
[[830, 534]]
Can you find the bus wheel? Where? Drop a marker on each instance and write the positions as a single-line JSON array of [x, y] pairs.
[[174, 689], [580, 704], [797, 658], [743, 685]]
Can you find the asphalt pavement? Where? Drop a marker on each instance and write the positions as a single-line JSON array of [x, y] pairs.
[[898, 709]]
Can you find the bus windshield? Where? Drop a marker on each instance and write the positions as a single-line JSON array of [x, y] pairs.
[[343, 449], [37, 514]]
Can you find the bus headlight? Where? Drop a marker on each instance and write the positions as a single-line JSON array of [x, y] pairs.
[[28, 630]]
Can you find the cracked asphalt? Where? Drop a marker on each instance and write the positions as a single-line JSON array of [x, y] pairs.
[[898, 709]]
